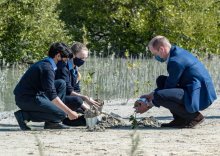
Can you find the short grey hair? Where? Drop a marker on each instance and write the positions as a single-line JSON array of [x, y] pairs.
[[158, 41], [78, 47]]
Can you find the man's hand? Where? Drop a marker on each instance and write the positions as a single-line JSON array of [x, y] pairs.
[[90, 101], [141, 107], [72, 115], [149, 97], [59, 103]]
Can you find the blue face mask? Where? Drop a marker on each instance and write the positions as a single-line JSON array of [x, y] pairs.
[[78, 62], [158, 58]]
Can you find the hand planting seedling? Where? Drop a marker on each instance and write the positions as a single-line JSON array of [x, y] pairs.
[[142, 105], [144, 122], [133, 119]]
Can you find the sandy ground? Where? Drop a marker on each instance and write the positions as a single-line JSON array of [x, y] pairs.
[[204, 140]]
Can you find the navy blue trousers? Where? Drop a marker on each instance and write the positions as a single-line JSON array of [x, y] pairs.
[[39, 108], [171, 99], [73, 102]]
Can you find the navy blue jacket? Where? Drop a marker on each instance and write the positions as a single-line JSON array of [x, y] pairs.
[[38, 79], [69, 74], [187, 72]]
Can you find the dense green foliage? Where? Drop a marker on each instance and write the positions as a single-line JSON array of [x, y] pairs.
[[27, 27], [130, 24]]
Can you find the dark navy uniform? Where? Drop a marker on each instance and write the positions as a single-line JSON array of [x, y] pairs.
[[69, 74], [35, 91]]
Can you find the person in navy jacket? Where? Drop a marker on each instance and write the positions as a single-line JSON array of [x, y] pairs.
[[186, 90], [39, 96], [68, 71]]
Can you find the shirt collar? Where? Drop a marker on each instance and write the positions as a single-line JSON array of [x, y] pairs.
[[171, 49], [51, 61]]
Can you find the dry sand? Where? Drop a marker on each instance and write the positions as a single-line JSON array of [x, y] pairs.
[[204, 140]]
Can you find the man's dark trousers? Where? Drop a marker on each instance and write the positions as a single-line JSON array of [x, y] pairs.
[[171, 99], [73, 102], [39, 108]]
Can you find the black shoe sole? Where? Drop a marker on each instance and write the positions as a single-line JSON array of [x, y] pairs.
[[21, 123], [165, 125], [56, 126], [81, 121]]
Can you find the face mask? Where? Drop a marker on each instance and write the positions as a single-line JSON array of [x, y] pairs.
[[78, 62], [158, 58]]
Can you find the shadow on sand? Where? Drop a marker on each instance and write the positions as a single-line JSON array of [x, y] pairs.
[[15, 127], [171, 118]]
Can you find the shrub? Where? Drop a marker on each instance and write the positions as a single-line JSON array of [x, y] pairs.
[[28, 27]]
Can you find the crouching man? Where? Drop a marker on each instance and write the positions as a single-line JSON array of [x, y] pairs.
[[40, 96], [185, 91]]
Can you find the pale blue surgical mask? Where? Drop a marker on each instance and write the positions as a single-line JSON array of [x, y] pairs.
[[158, 58]]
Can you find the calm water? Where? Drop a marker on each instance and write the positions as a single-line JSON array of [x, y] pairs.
[[105, 78]]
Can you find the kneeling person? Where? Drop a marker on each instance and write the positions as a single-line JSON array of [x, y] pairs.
[[40, 96], [185, 91], [68, 71]]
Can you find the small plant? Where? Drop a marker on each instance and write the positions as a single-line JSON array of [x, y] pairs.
[[127, 53], [97, 90], [147, 84], [133, 120], [88, 81], [136, 88]]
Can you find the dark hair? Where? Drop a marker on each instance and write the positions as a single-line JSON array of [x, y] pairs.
[[59, 47], [77, 47]]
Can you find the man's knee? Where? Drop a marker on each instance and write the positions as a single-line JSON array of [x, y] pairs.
[[167, 96], [60, 84], [160, 81], [73, 102], [157, 98], [79, 101], [60, 114]]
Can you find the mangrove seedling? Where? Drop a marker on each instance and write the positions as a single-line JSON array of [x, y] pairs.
[[133, 120]]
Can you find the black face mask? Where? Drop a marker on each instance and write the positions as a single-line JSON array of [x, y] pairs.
[[78, 62]]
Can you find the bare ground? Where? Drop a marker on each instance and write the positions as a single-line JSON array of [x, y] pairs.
[[203, 140]]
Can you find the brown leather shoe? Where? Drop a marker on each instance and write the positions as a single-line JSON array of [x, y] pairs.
[[194, 122], [175, 123]]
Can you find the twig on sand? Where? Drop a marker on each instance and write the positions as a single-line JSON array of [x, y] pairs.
[[39, 144], [135, 140]]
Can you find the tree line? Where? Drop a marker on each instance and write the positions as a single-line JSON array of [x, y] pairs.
[[28, 27]]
